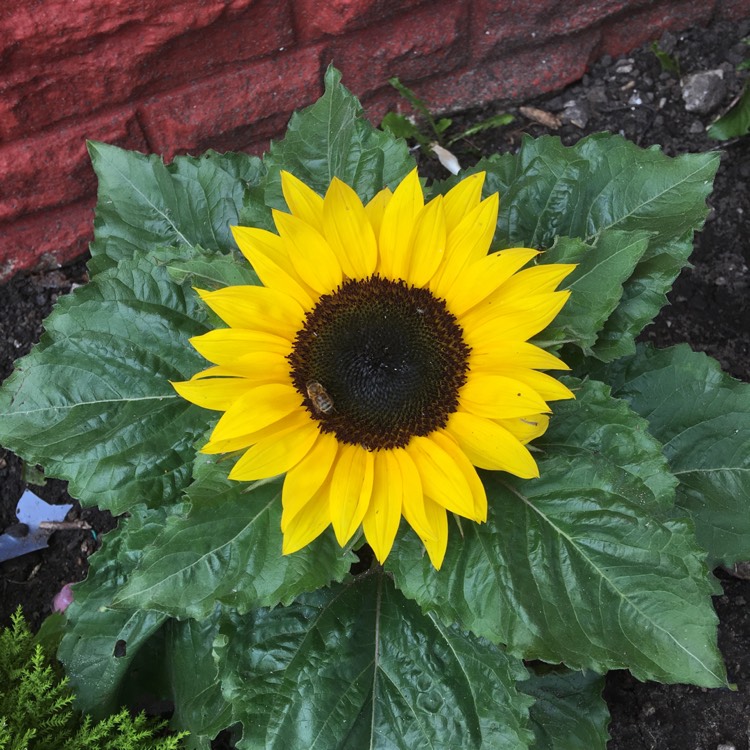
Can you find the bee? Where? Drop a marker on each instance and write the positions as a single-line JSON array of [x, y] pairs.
[[321, 401]]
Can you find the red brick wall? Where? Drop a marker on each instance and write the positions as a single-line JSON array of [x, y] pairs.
[[177, 76]]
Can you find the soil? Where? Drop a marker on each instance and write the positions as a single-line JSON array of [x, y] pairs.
[[709, 308]]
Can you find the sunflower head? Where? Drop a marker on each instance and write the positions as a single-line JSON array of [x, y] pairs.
[[384, 358]]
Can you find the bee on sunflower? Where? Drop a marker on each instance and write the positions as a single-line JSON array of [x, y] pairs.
[[384, 358]]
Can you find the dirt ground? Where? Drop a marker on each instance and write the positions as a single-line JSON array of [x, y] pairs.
[[709, 308]]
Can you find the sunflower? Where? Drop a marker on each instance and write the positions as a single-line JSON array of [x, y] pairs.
[[384, 358]]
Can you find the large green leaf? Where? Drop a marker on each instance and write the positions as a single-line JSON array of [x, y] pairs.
[[100, 643], [228, 549], [702, 416], [92, 403], [569, 713], [200, 269], [143, 203], [194, 680], [580, 566], [331, 138], [602, 183], [596, 283], [357, 666]]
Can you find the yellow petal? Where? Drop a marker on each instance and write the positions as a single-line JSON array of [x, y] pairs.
[[398, 222], [513, 354], [309, 525], [376, 208], [442, 479], [413, 498], [311, 255], [213, 393], [269, 270], [256, 308], [438, 544], [448, 443], [549, 388], [272, 456], [291, 422], [351, 490], [226, 345], [498, 397], [489, 323], [305, 479], [526, 428], [463, 198], [479, 280], [260, 367], [348, 231], [427, 246], [490, 446], [383, 516], [303, 201], [466, 244], [545, 277], [257, 408]]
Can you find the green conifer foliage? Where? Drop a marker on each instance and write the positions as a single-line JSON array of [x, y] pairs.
[[36, 706]]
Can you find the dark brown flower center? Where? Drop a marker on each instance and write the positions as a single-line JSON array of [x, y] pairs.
[[378, 362]]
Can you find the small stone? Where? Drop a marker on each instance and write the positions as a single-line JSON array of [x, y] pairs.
[[726, 746], [696, 126], [635, 99], [576, 113], [703, 92]]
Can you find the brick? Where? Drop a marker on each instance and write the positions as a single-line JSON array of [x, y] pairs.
[[625, 33], [733, 10], [52, 168], [228, 105], [55, 29], [430, 40], [121, 48], [518, 75], [500, 25], [48, 239], [503, 25], [316, 19]]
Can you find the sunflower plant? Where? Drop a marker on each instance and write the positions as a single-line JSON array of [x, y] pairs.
[[392, 470]]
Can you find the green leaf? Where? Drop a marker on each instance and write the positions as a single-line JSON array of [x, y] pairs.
[[734, 123], [195, 685], [669, 63], [400, 126], [703, 418], [228, 549], [356, 666], [602, 183], [580, 566], [92, 403], [496, 121], [94, 630], [199, 268], [144, 204], [331, 138], [596, 283], [569, 713]]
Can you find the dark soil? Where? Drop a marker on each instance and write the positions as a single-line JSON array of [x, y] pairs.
[[709, 308]]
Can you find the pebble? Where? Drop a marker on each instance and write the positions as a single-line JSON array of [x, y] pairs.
[[576, 113], [703, 92]]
